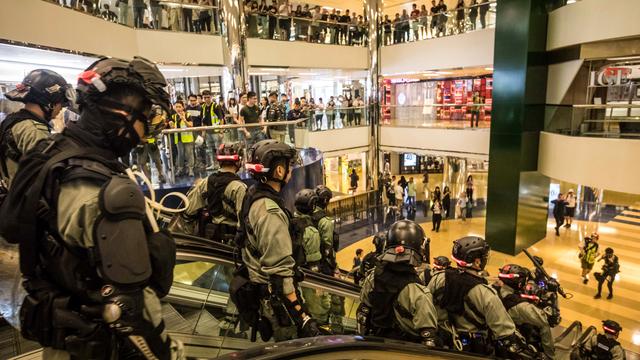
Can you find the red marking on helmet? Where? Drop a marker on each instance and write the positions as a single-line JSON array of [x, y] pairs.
[[221, 147], [530, 297], [460, 262], [399, 249], [256, 167], [228, 157], [508, 276], [21, 87], [88, 76], [609, 330]]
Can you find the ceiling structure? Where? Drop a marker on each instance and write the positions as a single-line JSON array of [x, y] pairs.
[[442, 73], [310, 74]]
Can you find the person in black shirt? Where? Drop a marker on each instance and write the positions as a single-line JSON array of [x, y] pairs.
[[344, 27], [558, 212], [194, 111], [610, 268], [434, 18], [250, 114], [484, 8], [442, 18], [397, 29], [473, 13], [387, 30], [273, 20]]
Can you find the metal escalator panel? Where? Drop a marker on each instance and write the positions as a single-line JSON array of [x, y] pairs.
[[199, 312]]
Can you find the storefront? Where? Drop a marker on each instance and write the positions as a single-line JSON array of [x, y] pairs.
[[411, 163], [415, 99], [338, 169]]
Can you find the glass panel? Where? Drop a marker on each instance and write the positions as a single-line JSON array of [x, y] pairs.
[[437, 21], [198, 16]]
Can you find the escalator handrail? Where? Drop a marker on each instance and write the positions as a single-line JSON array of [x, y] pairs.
[[189, 244], [585, 335], [574, 325]]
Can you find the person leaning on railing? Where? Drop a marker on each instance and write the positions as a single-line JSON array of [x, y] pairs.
[[473, 14]]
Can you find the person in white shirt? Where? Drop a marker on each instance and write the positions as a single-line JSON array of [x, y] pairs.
[[399, 197], [570, 208], [462, 205], [285, 21]]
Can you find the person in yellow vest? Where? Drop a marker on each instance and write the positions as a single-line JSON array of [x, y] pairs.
[[213, 138], [149, 148], [184, 140]]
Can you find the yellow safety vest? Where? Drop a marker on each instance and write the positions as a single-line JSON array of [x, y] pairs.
[[185, 137], [214, 118]]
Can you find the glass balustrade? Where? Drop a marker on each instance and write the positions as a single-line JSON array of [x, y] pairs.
[[445, 116], [312, 27], [613, 120], [196, 16], [421, 24]]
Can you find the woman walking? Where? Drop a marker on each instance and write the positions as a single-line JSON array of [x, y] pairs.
[[436, 208], [446, 201]]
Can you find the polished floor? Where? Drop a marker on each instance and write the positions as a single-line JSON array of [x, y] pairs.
[[560, 259]]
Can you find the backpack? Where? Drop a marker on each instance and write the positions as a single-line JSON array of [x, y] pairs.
[[298, 227], [216, 186]]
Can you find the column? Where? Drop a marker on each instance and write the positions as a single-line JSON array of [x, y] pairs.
[[516, 201], [454, 176], [235, 76], [372, 96]]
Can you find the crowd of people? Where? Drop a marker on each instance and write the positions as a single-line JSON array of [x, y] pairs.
[[193, 153], [423, 23], [197, 16], [401, 196], [309, 23]]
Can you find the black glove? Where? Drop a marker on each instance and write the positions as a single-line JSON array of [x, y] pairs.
[[309, 328], [514, 347]]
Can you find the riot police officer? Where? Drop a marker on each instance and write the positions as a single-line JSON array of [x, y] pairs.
[[532, 322], [93, 268], [266, 243], [603, 346], [395, 285], [220, 196], [329, 238], [371, 260], [309, 236], [440, 264], [462, 294], [44, 94]]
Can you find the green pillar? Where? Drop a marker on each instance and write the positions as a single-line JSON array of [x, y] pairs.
[[516, 201]]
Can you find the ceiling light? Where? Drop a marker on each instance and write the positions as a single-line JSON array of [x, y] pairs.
[[489, 68], [307, 74], [274, 69]]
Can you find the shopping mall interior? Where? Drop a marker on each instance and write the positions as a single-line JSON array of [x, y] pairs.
[[495, 107]]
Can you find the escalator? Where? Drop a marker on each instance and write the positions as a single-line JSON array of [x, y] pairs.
[[199, 313]]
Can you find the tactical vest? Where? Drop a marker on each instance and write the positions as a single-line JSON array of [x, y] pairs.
[[389, 280], [184, 137], [300, 225], [370, 261], [8, 147], [216, 187], [254, 193], [319, 215], [511, 300], [602, 349], [453, 296]]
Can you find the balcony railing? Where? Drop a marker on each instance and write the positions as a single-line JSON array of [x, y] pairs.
[[605, 120], [303, 26], [423, 25], [197, 16]]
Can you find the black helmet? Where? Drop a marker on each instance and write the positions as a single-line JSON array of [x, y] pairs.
[[97, 84], [531, 291], [611, 327], [467, 249], [325, 194], [441, 262], [378, 240], [229, 153], [264, 155], [45, 88], [514, 275], [608, 251], [305, 201], [405, 241]]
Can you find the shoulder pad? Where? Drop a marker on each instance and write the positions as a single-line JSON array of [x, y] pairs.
[[121, 198], [271, 206]]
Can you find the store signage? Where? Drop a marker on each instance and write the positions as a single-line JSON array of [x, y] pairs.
[[618, 75]]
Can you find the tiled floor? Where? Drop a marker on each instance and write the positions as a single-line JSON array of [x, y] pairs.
[[560, 256]]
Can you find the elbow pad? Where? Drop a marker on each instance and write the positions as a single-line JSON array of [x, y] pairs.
[[122, 254]]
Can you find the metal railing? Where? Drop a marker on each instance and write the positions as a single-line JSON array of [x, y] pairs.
[[438, 23], [448, 116], [598, 120], [196, 16], [306, 27]]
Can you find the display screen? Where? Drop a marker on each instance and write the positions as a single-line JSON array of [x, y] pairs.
[[410, 160]]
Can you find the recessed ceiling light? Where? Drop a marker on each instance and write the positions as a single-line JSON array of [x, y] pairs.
[[489, 68]]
